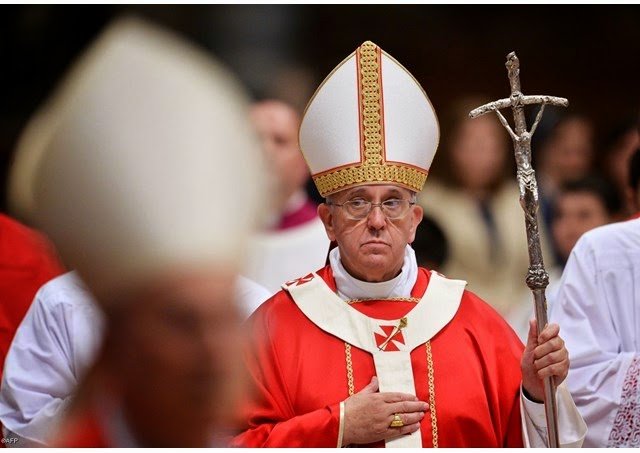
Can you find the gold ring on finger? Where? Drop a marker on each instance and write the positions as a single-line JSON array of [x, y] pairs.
[[396, 422]]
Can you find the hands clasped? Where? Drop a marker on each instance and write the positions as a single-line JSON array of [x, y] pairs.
[[368, 415]]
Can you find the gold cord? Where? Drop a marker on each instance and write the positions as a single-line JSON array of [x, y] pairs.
[[347, 351], [393, 299], [432, 395]]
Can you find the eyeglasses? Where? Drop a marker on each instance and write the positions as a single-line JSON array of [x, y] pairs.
[[358, 209]]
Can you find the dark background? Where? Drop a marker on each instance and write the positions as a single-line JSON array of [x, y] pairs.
[[589, 54]]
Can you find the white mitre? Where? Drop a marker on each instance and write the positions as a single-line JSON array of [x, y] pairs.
[[143, 161], [369, 122]]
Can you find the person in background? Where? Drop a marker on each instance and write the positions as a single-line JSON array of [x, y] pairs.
[[473, 196], [580, 206], [276, 123], [142, 107], [58, 341], [598, 307], [619, 146], [430, 244], [53, 348], [563, 151], [296, 240], [634, 179]]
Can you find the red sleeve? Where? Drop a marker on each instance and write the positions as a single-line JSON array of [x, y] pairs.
[[506, 374], [27, 261], [270, 417], [514, 426], [499, 351], [508, 354]]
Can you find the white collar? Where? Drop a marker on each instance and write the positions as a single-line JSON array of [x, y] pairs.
[[350, 287]]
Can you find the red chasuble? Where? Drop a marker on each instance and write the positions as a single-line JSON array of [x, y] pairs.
[[300, 375]]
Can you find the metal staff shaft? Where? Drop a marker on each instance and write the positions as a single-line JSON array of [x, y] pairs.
[[537, 278]]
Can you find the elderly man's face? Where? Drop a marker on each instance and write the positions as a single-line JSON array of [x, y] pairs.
[[178, 359], [371, 249]]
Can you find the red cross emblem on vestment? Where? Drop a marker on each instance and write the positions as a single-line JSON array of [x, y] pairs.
[[300, 281], [386, 342]]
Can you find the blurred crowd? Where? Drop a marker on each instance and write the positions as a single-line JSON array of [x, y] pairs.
[[583, 182], [473, 229]]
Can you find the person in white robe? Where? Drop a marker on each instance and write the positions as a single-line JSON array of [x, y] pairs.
[[598, 307], [296, 240], [598, 310], [54, 346]]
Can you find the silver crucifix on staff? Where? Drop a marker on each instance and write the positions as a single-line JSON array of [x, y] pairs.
[[537, 277]]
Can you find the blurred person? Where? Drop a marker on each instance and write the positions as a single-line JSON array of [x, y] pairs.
[[634, 179], [359, 352], [139, 109], [568, 152], [430, 244], [563, 151], [249, 295], [474, 196], [277, 125], [580, 206], [619, 146], [60, 335], [27, 260], [598, 306], [57, 341], [297, 240], [53, 348]]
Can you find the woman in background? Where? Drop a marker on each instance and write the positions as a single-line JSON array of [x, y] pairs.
[[474, 196]]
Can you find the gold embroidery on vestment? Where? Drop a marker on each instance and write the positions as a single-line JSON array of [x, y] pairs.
[[430, 380]]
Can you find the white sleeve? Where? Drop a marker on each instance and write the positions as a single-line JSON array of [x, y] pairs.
[[38, 376], [583, 310], [572, 429], [250, 295]]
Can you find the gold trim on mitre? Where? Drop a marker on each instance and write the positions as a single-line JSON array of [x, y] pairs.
[[370, 104], [354, 175], [373, 167]]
